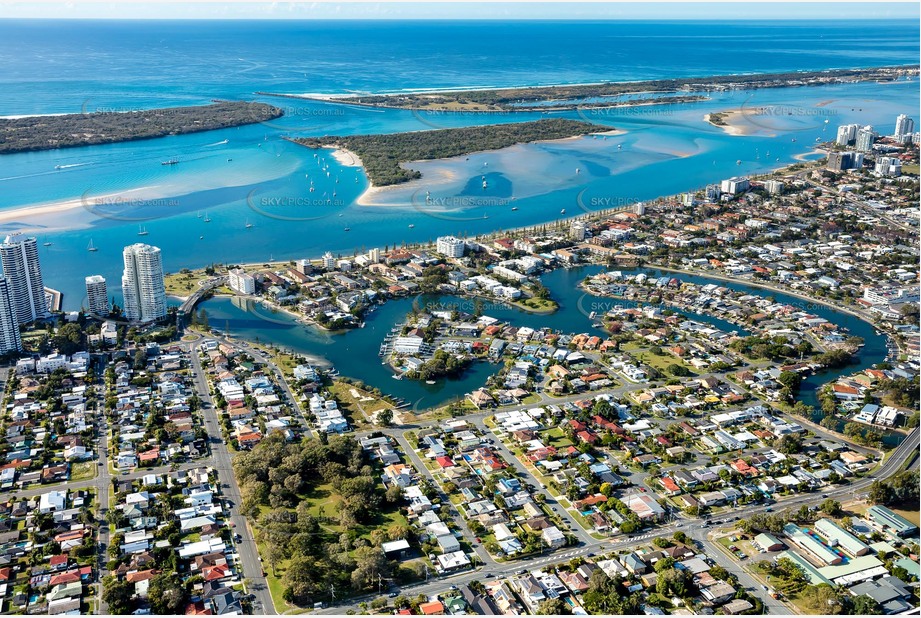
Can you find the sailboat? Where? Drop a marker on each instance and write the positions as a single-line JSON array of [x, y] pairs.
[[207, 219], [142, 231], [90, 247], [248, 224]]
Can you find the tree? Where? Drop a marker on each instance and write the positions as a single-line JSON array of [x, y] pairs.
[[370, 563], [203, 319], [553, 607], [117, 595], [831, 507], [865, 606], [385, 417], [167, 594], [790, 379], [69, 339]]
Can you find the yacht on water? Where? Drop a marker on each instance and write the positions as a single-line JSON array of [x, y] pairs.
[[142, 231], [90, 246]]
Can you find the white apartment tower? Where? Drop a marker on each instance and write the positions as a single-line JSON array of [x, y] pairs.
[[97, 297], [450, 246], [142, 283], [904, 125], [9, 326], [865, 138], [241, 282], [847, 133], [19, 256]]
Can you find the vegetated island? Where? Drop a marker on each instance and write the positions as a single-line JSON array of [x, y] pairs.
[[32, 133], [381, 155], [580, 96]]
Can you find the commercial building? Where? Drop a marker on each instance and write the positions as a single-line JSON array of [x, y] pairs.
[[21, 268], [10, 340], [142, 283], [450, 246], [811, 545], [891, 522], [97, 296], [838, 536], [241, 282]]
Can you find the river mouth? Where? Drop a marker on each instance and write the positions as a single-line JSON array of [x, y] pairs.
[[252, 321]]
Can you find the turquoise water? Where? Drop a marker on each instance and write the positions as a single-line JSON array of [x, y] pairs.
[[251, 175], [342, 349]]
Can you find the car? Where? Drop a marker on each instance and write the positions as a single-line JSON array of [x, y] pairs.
[[590, 554], [393, 595], [521, 571], [824, 495], [768, 510], [489, 575], [453, 588]]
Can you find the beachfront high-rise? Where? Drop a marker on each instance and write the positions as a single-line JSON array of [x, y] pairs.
[[903, 125], [142, 283], [10, 340], [865, 138], [19, 256], [97, 296]]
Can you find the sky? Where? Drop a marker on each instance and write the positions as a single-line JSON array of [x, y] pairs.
[[176, 9]]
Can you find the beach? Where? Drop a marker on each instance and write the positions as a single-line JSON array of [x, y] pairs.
[[735, 122], [372, 194], [72, 213]]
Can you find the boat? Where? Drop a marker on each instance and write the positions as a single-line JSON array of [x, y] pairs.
[[46, 244], [739, 162], [142, 231], [412, 225], [169, 162], [563, 212], [577, 170], [430, 381], [591, 316], [484, 184], [347, 229], [248, 224], [201, 238], [199, 215], [90, 246], [514, 208], [207, 219]]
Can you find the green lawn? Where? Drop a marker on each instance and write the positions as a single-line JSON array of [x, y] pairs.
[[556, 438], [641, 353], [83, 471]]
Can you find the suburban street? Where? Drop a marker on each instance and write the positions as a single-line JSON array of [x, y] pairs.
[[250, 564]]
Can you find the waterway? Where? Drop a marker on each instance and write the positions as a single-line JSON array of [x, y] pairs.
[[355, 352]]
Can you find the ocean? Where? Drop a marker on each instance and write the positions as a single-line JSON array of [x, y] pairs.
[[244, 194]]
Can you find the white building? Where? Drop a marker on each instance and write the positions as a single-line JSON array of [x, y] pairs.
[[450, 246], [904, 125], [846, 134], [9, 326], [97, 297], [374, 255], [241, 282], [773, 187], [328, 261], [865, 138], [142, 283], [577, 231], [888, 166], [19, 257], [735, 185]]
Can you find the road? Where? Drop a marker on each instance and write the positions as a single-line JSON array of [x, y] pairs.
[[250, 564]]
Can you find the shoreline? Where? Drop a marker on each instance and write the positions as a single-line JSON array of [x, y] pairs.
[[732, 124], [668, 85], [350, 159]]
